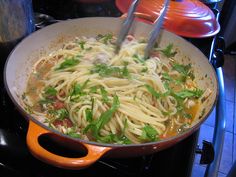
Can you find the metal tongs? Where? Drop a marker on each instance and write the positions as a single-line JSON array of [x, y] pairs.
[[154, 33]]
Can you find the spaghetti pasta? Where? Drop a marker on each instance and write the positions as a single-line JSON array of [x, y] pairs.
[[87, 91]]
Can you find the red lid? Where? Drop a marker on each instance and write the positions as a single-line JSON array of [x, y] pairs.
[[188, 18]]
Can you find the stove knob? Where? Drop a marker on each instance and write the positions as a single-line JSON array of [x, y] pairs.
[[207, 152]]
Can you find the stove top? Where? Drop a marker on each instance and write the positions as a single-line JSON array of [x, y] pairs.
[[16, 160]]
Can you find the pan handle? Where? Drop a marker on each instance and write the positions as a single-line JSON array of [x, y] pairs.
[[93, 152]]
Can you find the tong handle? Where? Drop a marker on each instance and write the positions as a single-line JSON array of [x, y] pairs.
[[126, 24], [156, 30]]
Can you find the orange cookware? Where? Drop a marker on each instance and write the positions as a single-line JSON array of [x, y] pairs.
[[187, 18], [42, 42]]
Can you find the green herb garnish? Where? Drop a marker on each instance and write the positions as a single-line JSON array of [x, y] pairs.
[[45, 101], [73, 134], [168, 51], [105, 71], [149, 133], [187, 115], [50, 91], [93, 89], [153, 91], [69, 63], [96, 125], [78, 89], [138, 59], [184, 70], [59, 114], [144, 70], [104, 38], [104, 94], [81, 44], [197, 93], [89, 115]]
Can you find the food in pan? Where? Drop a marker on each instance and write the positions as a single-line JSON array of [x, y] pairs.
[[87, 91]]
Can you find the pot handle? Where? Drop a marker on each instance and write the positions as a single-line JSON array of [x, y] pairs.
[[93, 152]]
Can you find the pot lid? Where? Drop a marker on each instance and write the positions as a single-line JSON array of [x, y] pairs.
[[188, 18]]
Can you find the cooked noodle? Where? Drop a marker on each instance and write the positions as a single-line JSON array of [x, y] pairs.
[[85, 90]]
